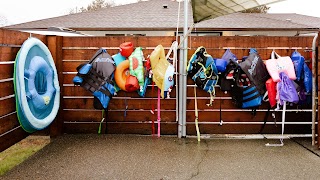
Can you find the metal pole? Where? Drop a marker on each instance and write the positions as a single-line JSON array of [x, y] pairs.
[[184, 76], [182, 129], [314, 93], [180, 95]]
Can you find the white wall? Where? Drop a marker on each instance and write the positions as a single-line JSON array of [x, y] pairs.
[[127, 33], [263, 33]]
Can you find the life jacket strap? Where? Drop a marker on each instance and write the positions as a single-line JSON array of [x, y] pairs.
[[158, 111], [196, 113]]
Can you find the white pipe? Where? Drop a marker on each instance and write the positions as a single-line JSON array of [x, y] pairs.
[[314, 93], [249, 136]]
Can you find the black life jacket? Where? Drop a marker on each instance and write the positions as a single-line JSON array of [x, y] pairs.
[[96, 76], [256, 71], [243, 92]]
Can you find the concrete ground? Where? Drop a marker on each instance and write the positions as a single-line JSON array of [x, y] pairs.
[[144, 157]]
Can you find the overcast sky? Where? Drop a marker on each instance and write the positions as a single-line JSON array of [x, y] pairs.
[[19, 11]]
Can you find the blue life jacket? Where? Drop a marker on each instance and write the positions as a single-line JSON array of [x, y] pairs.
[[298, 63], [97, 76]]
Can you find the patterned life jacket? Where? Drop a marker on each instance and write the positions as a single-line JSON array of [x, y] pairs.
[[202, 69]]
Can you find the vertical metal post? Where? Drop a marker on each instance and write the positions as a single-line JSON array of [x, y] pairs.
[[182, 129], [314, 93], [180, 99], [184, 77]]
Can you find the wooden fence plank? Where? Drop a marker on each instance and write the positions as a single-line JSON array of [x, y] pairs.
[[79, 91], [6, 71], [247, 129], [80, 56], [116, 104], [11, 37], [120, 128], [8, 53], [8, 123], [11, 138], [6, 88], [121, 116], [7, 106], [55, 47]]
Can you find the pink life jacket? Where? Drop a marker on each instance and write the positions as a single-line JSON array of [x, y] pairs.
[[280, 64]]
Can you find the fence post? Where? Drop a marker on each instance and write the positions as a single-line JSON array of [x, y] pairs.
[[315, 91], [55, 47]]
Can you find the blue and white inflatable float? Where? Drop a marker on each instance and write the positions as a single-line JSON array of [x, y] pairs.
[[36, 86]]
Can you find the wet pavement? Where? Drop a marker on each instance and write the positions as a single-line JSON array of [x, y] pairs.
[[144, 157]]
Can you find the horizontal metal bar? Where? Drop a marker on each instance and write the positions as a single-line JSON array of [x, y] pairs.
[[4, 116], [96, 48], [91, 97], [77, 97], [6, 62], [172, 110], [250, 123], [249, 110], [88, 48], [250, 136], [113, 122], [6, 80], [242, 123], [68, 85], [208, 97], [120, 110], [74, 60], [258, 48], [115, 97], [218, 48], [81, 60], [71, 85], [10, 45], [6, 97], [9, 131], [69, 72], [193, 85]]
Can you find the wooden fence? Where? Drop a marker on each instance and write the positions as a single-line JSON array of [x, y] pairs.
[[130, 114], [10, 130]]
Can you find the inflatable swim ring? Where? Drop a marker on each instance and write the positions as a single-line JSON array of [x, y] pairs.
[[118, 58], [121, 74], [36, 86]]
